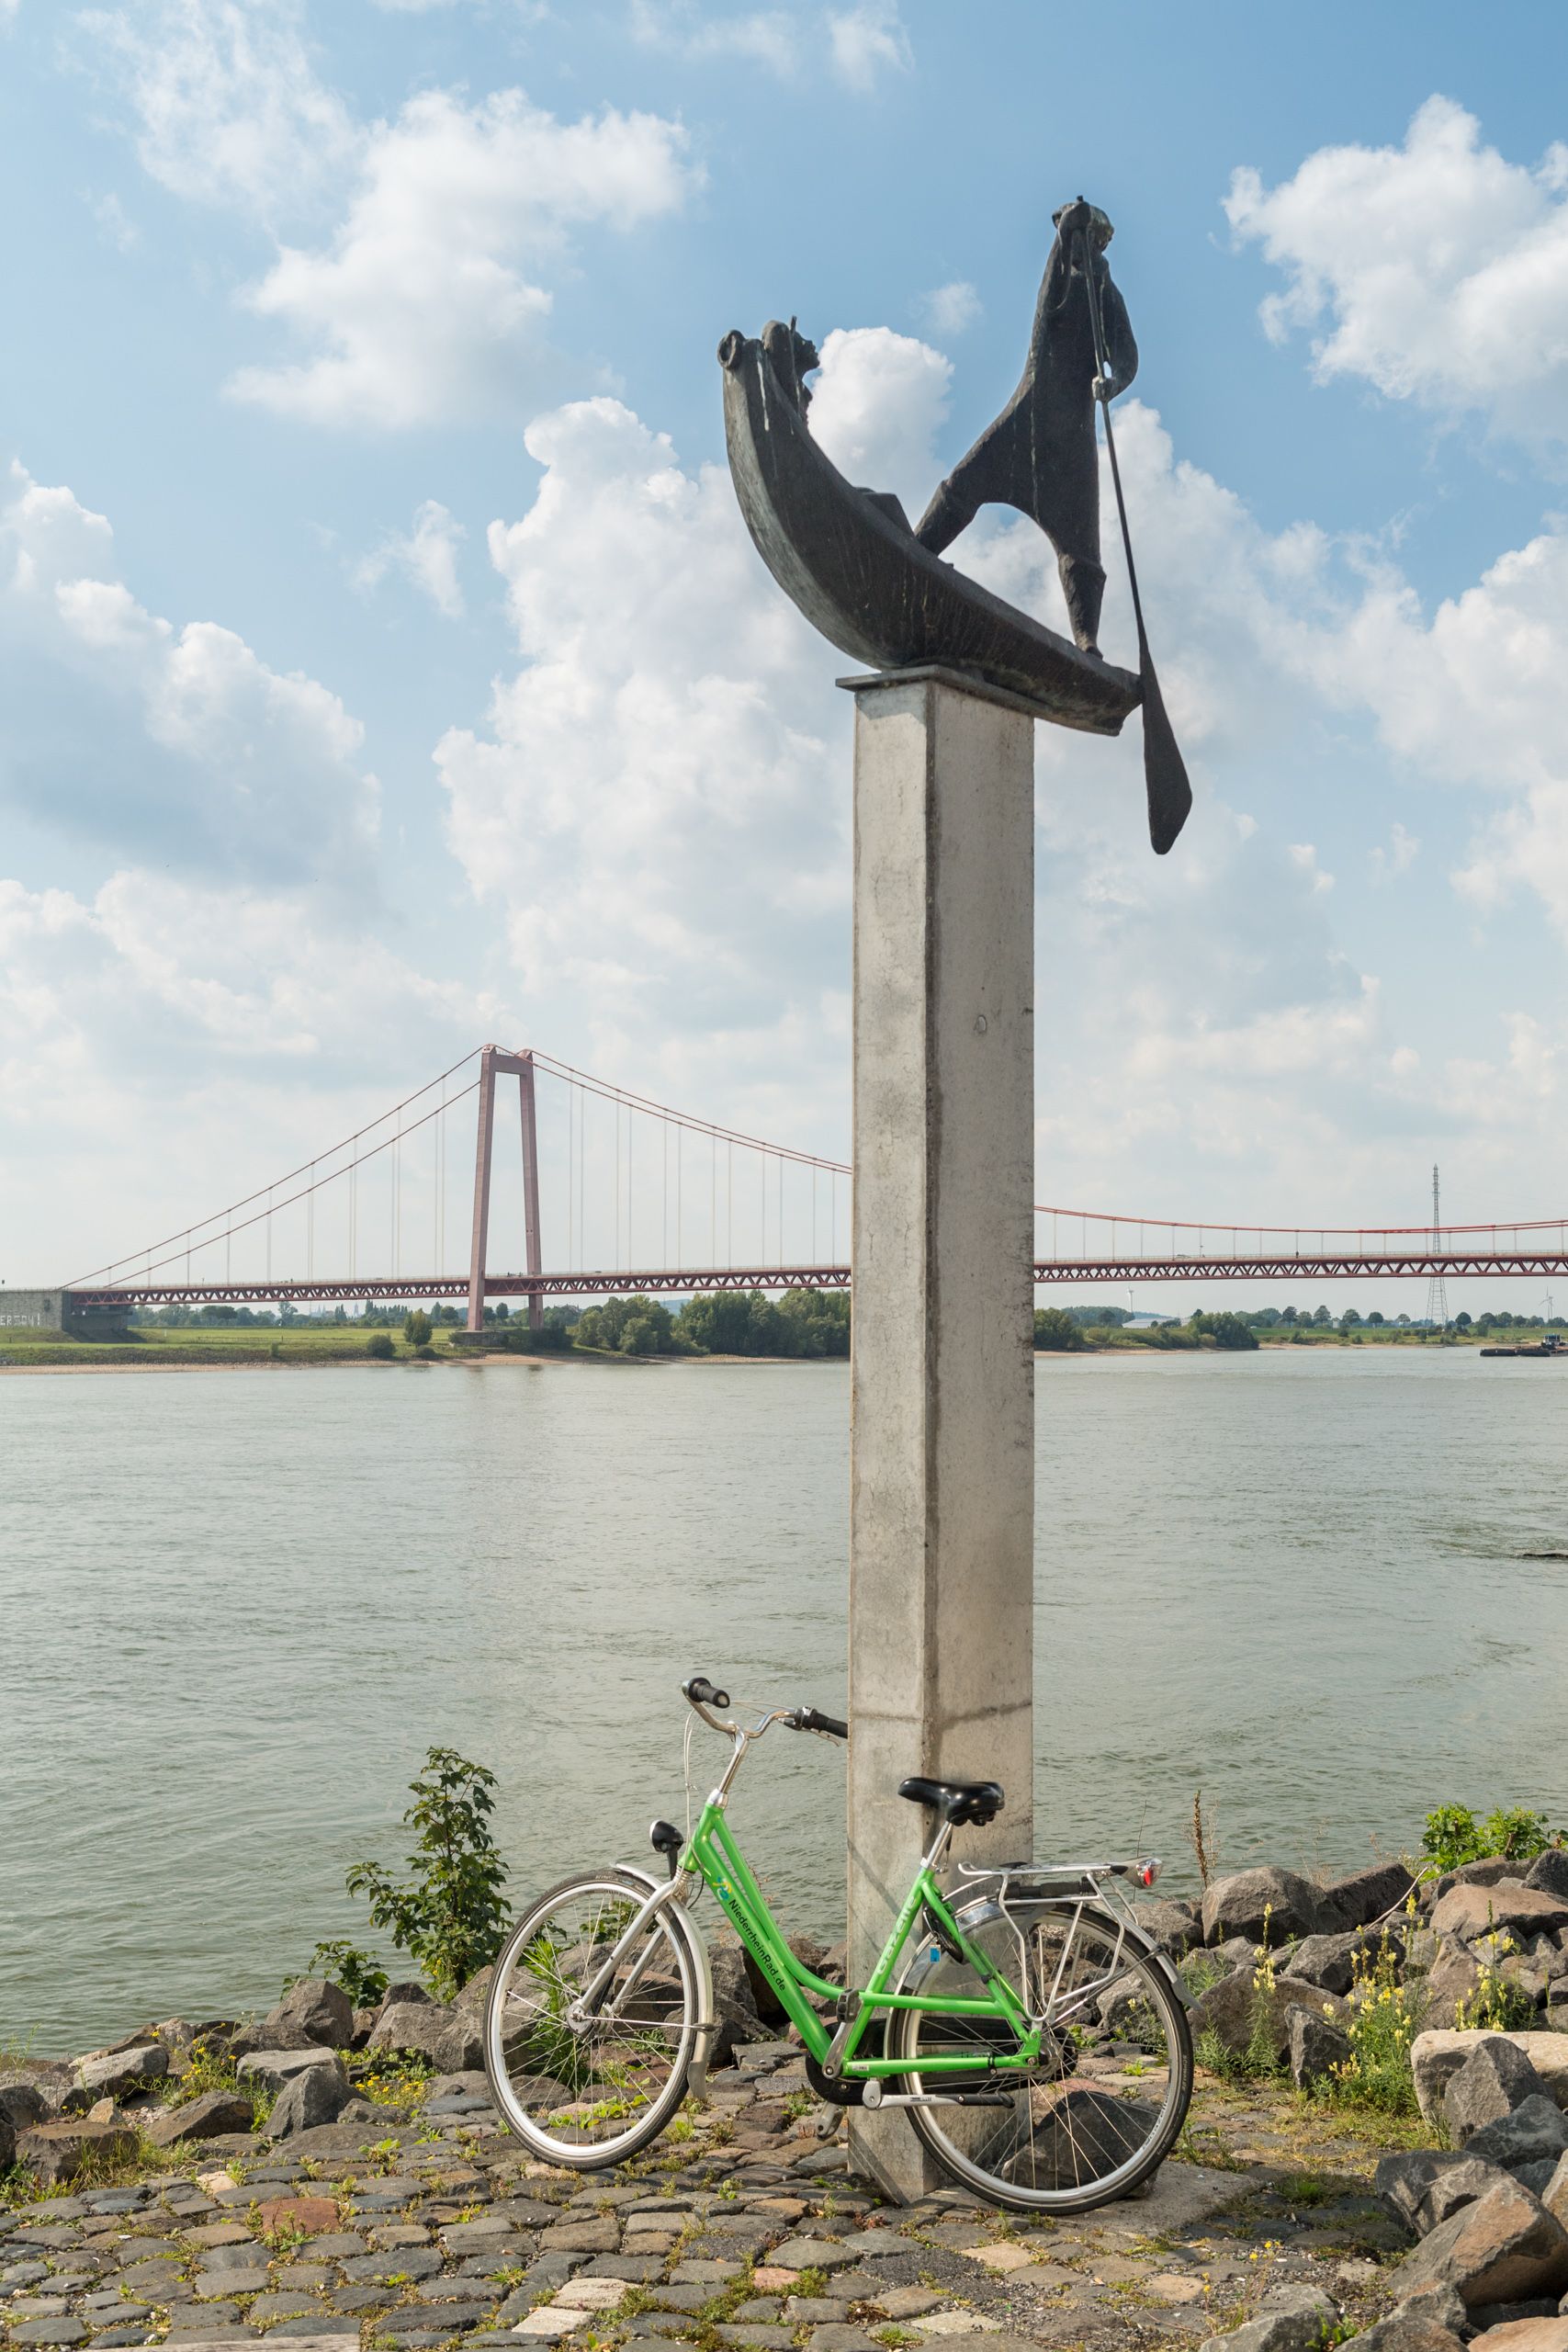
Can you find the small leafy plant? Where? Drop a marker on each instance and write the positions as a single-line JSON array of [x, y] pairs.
[[1497, 2005], [1454, 1836], [360, 1972], [1386, 2017], [450, 1914]]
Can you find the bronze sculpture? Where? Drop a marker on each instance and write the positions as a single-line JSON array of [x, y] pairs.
[[1040, 455], [883, 592]]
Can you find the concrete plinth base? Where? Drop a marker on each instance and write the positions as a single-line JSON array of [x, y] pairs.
[[942, 1444]]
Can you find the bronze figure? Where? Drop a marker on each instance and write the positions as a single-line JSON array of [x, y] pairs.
[[1041, 454]]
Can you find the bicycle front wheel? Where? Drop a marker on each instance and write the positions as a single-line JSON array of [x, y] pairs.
[[1100, 2109], [587, 2082]]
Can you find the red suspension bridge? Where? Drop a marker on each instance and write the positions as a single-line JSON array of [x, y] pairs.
[[637, 1197]]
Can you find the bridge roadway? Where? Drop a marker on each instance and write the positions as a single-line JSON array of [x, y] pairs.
[[604, 1284]]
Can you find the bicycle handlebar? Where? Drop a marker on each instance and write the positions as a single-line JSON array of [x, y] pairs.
[[702, 1695], [809, 1719]]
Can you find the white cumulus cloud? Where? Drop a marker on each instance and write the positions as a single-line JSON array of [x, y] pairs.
[[426, 554], [428, 303], [140, 733], [950, 309], [416, 276], [1436, 271], [867, 42], [768, 37], [229, 104]]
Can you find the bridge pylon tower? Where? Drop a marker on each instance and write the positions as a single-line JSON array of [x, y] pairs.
[[495, 1062], [1436, 1288]]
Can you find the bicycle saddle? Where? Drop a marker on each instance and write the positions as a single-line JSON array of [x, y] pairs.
[[963, 1803]]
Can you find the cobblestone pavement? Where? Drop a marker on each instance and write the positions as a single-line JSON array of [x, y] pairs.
[[743, 2226]]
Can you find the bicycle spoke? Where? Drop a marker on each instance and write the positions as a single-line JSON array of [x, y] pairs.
[[1106, 2094], [589, 2036]]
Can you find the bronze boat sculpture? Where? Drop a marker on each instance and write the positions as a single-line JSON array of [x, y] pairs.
[[849, 559]]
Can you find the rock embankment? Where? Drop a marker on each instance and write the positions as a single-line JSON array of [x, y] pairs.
[[334, 2174], [1485, 1944]]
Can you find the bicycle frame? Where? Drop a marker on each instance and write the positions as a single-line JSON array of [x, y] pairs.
[[714, 1856]]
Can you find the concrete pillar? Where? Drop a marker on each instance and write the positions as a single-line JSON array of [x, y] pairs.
[[942, 1439]]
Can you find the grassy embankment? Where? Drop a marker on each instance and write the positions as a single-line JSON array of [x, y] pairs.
[[153, 1349]]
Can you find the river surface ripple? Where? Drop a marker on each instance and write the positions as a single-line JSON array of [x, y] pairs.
[[236, 1607]]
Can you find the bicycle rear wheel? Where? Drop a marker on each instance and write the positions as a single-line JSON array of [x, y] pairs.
[[591, 2089], [1100, 2110]]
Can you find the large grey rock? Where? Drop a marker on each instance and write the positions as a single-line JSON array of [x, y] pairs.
[[475, 1992], [1424, 2187], [1533, 2132], [1490, 1870], [21, 2104], [1494, 2079], [1549, 1872], [1327, 1960], [1411, 2329], [404, 1992], [1173, 1924], [1238, 1907], [1536, 2334], [273, 2069], [1503, 2247], [210, 2117], [1435, 2056], [117, 2074], [1294, 2319], [1469, 1912], [1439, 2306], [1237, 2009], [319, 2095], [1371, 1893], [1318, 2048], [312, 2010], [411, 2025], [732, 1978], [1404, 2181], [1463, 2184], [1554, 2195], [58, 2151], [1453, 1983]]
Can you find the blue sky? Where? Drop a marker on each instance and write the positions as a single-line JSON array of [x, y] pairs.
[[311, 777]]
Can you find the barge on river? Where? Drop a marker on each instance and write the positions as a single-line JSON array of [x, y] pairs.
[[1550, 1346]]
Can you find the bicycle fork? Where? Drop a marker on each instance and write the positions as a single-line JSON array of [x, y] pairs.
[[592, 2006]]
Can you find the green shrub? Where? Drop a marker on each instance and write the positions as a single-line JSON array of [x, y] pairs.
[[416, 1328], [450, 1914], [361, 1975], [1054, 1327], [380, 1345], [1453, 1835]]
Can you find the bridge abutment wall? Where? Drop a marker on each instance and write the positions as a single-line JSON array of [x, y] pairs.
[[62, 1311]]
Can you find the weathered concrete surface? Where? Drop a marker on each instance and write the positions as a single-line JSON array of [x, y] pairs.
[[60, 1310], [39, 1309], [942, 1459]]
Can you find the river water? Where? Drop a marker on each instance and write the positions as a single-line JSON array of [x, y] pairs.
[[1329, 1589]]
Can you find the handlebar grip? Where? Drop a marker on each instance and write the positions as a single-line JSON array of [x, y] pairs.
[[809, 1719], [702, 1693]]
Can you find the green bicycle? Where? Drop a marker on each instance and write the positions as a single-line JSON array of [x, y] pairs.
[[1036, 2037]]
